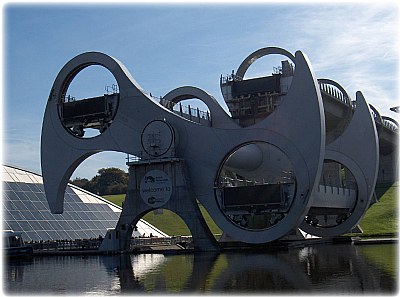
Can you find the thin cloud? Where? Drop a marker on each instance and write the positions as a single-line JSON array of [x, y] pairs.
[[356, 46]]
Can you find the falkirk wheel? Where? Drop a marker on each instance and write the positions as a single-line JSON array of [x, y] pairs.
[[295, 152]]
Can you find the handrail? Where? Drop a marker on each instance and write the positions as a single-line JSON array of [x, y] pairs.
[[65, 244], [333, 89], [171, 240], [235, 182], [390, 123], [142, 156], [184, 109]]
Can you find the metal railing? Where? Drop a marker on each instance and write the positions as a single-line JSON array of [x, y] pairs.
[[226, 181], [334, 93], [186, 111], [229, 78], [192, 112], [390, 123], [142, 156], [66, 245], [151, 241]]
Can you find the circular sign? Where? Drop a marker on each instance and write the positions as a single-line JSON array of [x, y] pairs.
[[157, 138], [155, 188]]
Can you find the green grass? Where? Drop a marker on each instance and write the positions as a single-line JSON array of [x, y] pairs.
[[116, 199], [380, 220], [169, 222], [382, 217]]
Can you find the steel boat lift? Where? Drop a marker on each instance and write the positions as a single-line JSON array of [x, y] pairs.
[[294, 152]]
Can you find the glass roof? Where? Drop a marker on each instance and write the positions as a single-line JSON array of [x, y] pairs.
[[25, 211]]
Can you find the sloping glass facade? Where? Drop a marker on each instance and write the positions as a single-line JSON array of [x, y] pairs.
[[25, 210]]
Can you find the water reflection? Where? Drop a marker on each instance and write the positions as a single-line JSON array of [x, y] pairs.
[[317, 269]]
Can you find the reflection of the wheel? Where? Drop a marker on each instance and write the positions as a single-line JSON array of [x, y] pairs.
[[322, 268], [342, 269], [259, 273]]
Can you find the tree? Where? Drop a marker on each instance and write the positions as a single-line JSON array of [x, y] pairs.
[[108, 181], [109, 176], [81, 183], [116, 188]]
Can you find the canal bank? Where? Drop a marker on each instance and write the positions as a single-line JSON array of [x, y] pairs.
[[152, 246]]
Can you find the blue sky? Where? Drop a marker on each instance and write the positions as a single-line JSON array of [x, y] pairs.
[[165, 46]]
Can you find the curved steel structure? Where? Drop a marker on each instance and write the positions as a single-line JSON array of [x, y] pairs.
[[262, 177], [259, 54]]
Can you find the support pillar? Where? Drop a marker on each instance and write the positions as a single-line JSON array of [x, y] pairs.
[[162, 184]]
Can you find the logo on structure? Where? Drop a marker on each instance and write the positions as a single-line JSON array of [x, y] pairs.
[[155, 188], [149, 179]]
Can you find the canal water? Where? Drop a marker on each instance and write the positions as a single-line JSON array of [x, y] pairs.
[[319, 269]]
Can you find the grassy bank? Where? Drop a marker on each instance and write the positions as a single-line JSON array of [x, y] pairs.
[[116, 199], [382, 217], [380, 220], [168, 221]]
